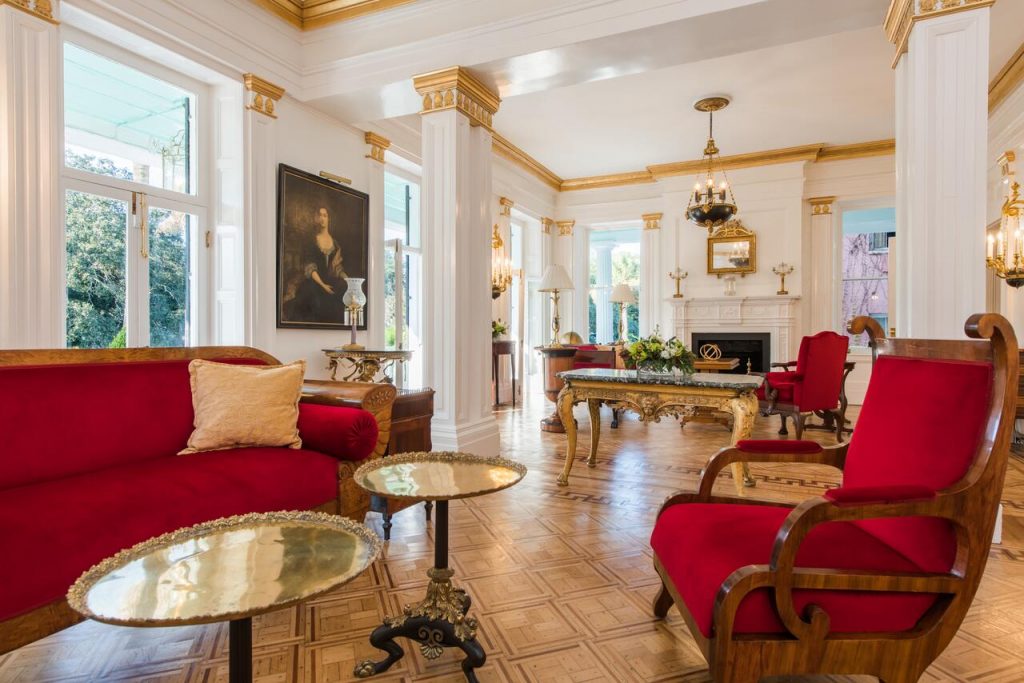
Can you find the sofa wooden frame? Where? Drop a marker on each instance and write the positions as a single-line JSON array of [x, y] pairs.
[[352, 501], [970, 505]]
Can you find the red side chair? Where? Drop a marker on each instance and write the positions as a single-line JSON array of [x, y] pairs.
[[816, 385], [874, 577], [591, 356]]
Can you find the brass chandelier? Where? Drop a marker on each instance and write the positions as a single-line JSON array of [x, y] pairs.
[[1005, 248], [712, 203]]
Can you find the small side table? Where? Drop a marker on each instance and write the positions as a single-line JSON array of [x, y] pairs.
[[366, 363], [440, 620], [505, 347], [230, 569]]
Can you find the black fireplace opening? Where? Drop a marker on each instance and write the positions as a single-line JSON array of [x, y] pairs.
[[752, 348]]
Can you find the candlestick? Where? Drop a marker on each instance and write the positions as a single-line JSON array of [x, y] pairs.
[[782, 270], [678, 275]]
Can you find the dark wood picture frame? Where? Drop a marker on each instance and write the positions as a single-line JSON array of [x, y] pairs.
[[323, 235]]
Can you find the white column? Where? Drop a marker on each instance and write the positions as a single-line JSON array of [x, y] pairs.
[[823, 280], [260, 264], [31, 224], [602, 292], [456, 201], [375, 188], [564, 254], [941, 144], [650, 274]]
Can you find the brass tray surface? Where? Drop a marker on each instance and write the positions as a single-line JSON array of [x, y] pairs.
[[438, 475], [226, 569]]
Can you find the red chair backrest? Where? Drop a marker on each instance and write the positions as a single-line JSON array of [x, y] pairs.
[[821, 361], [921, 424]]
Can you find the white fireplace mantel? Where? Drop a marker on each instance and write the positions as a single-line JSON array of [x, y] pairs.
[[776, 315]]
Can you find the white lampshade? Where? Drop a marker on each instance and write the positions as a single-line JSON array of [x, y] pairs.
[[555, 279], [622, 294]]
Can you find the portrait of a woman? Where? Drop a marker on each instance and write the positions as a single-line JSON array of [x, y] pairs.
[[322, 239]]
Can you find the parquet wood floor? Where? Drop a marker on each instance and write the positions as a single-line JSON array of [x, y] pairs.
[[561, 580]]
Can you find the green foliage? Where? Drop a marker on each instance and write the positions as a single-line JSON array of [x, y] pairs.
[[659, 355], [498, 328], [120, 340]]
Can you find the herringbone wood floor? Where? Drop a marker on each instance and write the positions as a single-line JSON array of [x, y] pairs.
[[561, 580]]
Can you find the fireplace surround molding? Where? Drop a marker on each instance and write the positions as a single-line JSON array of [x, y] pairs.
[[776, 315]]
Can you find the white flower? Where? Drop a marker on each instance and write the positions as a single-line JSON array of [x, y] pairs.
[[665, 354]]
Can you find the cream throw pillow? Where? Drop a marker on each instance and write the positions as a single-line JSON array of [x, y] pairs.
[[239, 406]]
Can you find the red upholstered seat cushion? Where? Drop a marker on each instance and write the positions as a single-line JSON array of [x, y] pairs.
[[700, 545], [783, 381], [346, 433], [53, 531]]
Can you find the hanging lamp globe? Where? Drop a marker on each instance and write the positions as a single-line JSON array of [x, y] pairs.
[[712, 203]]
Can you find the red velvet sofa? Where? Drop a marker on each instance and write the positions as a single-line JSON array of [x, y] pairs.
[[88, 465]]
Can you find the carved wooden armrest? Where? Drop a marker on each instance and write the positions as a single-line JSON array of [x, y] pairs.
[[786, 365], [377, 399], [776, 450], [847, 506]]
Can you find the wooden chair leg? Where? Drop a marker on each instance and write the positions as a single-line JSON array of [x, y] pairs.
[[782, 430], [798, 423], [662, 603]]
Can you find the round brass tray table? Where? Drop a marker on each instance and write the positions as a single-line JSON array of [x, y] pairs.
[[440, 620], [230, 569]]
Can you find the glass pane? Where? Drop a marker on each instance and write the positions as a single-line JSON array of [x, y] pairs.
[[390, 342], [96, 233], [865, 255], [614, 259], [170, 238], [121, 122]]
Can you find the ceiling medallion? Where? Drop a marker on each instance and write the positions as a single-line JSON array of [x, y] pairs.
[[712, 204]]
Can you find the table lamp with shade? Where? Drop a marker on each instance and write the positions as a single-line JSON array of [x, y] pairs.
[[555, 280], [622, 294]]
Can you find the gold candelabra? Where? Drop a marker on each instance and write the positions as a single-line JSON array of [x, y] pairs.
[[1006, 265], [501, 267], [678, 275], [782, 270]]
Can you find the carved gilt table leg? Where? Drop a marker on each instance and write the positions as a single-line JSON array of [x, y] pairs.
[[743, 409], [565, 402], [594, 406]]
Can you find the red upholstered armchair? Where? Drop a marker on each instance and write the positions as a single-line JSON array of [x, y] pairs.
[[875, 577], [814, 386]]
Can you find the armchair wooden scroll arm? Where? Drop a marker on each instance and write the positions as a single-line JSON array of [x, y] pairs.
[[806, 452]]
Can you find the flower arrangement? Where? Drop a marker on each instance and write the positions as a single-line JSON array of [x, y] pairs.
[[498, 328], [656, 354]]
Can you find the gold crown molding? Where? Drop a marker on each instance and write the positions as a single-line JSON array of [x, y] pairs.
[[652, 221], [612, 180], [456, 88], [377, 143], [311, 14], [264, 94], [821, 206], [565, 228], [545, 225], [520, 158], [505, 206], [859, 150], [774, 156], [41, 9], [903, 14], [1007, 80]]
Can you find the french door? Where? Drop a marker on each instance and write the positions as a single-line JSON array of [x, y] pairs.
[[132, 266]]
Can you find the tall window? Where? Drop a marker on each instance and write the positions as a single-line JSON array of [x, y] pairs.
[[132, 208], [403, 323], [866, 234], [614, 259]]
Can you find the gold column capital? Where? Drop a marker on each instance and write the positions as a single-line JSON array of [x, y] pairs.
[[545, 225], [505, 205], [565, 228], [265, 94], [821, 205], [652, 221], [456, 88], [41, 9], [377, 143], [903, 14]]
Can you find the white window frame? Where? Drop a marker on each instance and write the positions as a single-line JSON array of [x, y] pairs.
[[197, 204]]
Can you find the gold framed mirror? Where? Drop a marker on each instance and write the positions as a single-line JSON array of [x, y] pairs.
[[732, 250]]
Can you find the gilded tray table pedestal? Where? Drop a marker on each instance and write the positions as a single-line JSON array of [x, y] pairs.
[[441, 619]]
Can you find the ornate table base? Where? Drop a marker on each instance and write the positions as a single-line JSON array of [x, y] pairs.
[[436, 622]]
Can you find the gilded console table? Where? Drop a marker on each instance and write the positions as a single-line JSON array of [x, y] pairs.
[[653, 397], [366, 363]]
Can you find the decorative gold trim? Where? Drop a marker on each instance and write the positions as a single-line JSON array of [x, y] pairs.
[[858, 150], [652, 221], [505, 206], [504, 148], [40, 9], [377, 143], [334, 178], [611, 180], [565, 228], [775, 156], [438, 457], [456, 88], [545, 225], [311, 14], [903, 14], [732, 231], [1007, 80], [821, 205], [264, 94]]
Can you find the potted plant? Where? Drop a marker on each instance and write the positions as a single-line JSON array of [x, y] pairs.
[[499, 330], [655, 354]]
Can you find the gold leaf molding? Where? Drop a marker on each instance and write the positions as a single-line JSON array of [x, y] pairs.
[[456, 88], [821, 206], [377, 143], [565, 228], [506, 205], [265, 95], [310, 14], [43, 9], [545, 225], [652, 221], [903, 14]]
